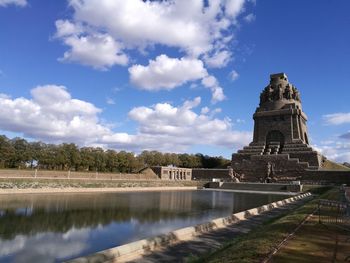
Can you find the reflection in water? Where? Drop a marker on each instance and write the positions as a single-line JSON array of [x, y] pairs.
[[56, 227]]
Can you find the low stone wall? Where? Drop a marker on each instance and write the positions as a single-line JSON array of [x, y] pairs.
[[138, 248], [256, 187], [326, 177], [209, 174], [74, 175]]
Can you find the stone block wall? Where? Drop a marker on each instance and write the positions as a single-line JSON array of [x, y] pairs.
[[326, 177], [15, 173], [209, 174]]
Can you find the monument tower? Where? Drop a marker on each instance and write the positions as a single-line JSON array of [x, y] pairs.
[[280, 138]]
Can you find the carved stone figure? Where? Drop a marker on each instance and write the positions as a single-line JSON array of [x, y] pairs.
[[288, 93], [234, 176], [269, 177], [294, 93], [280, 92], [230, 172], [262, 97], [266, 95]]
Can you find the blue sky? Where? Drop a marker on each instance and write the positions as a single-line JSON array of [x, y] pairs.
[[174, 76]]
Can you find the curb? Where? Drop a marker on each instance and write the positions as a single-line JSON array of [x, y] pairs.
[[138, 248]]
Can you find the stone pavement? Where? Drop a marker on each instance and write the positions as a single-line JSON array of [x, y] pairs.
[[213, 240]]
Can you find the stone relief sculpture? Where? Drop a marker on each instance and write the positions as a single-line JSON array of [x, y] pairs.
[[288, 93], [270, 173], [236, 177], [279, 92]]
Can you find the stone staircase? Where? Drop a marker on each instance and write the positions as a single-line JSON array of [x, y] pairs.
[[252, 150], [296, 148]]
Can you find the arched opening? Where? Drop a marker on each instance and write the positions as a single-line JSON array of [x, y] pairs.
[[274, 142]]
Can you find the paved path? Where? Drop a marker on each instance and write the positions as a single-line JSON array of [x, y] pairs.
[[214, 239]]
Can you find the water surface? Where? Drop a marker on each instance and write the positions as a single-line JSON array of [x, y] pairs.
[[57, 227]]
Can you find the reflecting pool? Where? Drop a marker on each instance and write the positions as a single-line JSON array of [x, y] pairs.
[[57, 227]]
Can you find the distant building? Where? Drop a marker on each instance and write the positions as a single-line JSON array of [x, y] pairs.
[[186, 174], [172, 173]]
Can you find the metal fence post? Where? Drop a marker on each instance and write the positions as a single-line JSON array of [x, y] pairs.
[[319, 212]]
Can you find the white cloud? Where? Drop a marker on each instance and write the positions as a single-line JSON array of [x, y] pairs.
[[234, 7], [166, 127], [336, 151], [234, 75], [166, 73], [337, 118], [110, 101], [217, 92], [219, 59], [4, 96], [189, 25], [250, 18], [100, 51], [12, 246], [101, 33], [20, 3], [66, 28], [205, 110], [52, 115], [45, 247]]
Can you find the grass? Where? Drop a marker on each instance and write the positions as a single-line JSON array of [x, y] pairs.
[[257, 244], [329, 165], [316, 242]]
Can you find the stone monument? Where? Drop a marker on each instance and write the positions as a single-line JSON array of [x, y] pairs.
[[280, 147]]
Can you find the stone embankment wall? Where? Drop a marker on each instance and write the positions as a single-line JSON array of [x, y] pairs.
[[74, 175], [256, 187], [209, 174], [139, 248], [307, 176], [326, 177]]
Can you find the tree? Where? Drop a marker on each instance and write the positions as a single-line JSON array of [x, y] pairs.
[[99, 159], [22, 153], [48, 157], [18, 153], [111, 160], [7, 152], [87, 159]]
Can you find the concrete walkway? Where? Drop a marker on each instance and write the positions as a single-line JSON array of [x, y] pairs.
[[213, 240]]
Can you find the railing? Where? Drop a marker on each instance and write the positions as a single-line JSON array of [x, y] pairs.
[[334, 212]]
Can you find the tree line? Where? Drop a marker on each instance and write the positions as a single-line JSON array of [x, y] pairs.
[[21, 154]]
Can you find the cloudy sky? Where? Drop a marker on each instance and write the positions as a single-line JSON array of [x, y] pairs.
[[171, 75]]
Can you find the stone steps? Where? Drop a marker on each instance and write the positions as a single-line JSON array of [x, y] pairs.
[[288, 150]]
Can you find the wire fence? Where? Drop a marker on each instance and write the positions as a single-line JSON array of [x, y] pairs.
[[334, 212]]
